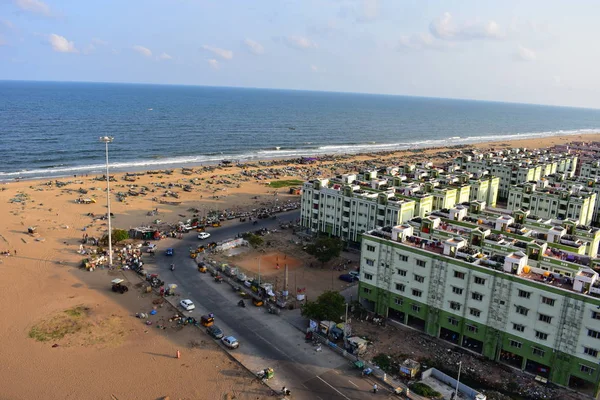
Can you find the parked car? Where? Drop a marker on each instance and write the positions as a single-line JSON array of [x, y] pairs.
[[348, 278], [355, 274], [187, 304], [230, 342], [203, 235], [215, 331], [169, 252]]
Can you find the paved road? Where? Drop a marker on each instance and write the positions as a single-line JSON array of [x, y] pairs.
[[265, 340]]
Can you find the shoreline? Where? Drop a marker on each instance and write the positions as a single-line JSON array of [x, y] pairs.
[[146, 165]]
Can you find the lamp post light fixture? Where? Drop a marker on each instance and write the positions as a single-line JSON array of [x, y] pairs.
[[107, 140]]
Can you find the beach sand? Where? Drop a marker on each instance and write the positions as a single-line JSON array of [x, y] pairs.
[[114, 353]]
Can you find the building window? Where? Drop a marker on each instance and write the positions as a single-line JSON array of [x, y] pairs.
[[370, 248], [457, 290], [595, 315], [524, 294], [590, 352], [417, 293], [400, 287], [548, 300], [367, 290], [398, 301], [475, 312], [402, 257], [472, 328], [545, 318], [479, 281], [416, 308], [419, 278], [586, 370], [541, 335], [421, 263], [368, 277], [401, 272], [476, 296], [538, 352], [594, 334], [455, 306], [452, 321], [518, 327], [370, 262], [522, 310], [459, 275], [514, 343]]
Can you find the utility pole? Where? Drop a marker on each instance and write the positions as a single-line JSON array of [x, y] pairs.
[[458, 378], [258, 271], [106, 140], [346, 327]]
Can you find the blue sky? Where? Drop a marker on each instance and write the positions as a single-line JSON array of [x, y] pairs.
[[518, 51]]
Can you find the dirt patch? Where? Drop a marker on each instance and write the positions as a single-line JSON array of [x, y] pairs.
[[68, 322], [79, 326]]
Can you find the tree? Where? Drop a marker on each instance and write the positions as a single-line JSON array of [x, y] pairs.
[[118, 235], [325, 248], [254, 240], [329, 306]]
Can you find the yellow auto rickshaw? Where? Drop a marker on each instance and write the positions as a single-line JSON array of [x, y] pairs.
[[202, 268], [257, 302], [207, 320], [193, 255]]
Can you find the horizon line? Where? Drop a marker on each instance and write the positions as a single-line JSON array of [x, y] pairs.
[[304, 90]]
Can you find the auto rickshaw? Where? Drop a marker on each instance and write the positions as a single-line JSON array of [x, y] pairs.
[[216, 224], [207, 320], [218, 279], [200, 228], [202, 268], [193, 254], [257, 302]]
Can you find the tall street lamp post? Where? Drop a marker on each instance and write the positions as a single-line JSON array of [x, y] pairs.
[[107, 140]]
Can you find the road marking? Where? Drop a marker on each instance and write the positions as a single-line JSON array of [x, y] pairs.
[[325, 382], [352, 383]]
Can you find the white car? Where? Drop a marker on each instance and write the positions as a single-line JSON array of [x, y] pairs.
[[230, 342], [203, 235], [187, 305]]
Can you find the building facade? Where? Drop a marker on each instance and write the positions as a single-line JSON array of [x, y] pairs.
[[508, 297], [550, 202]]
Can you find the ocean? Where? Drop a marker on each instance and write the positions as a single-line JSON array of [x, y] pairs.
[[51, 129]]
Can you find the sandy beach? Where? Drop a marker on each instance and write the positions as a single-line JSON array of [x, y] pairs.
[[112, 353]]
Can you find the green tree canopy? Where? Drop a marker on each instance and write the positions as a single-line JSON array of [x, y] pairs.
[[118, 235], [329, 306], [325, 248], [254, 240]]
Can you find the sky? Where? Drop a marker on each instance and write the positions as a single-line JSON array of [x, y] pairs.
[[512, 50]]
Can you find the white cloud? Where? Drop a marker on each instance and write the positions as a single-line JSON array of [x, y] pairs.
[[445, 28], [370, 10], [314, 68], [300, 42], [226, 54], [142, 50], [423, 41], [254, 46], [61, 44], [99, 42], [525, 54], [34, 6], [165, 56], [213, 63]]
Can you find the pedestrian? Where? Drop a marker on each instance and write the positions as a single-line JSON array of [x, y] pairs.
[[375, 388], [15, 252]]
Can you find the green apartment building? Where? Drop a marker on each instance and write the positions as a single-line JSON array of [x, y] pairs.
[[509, 297]]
